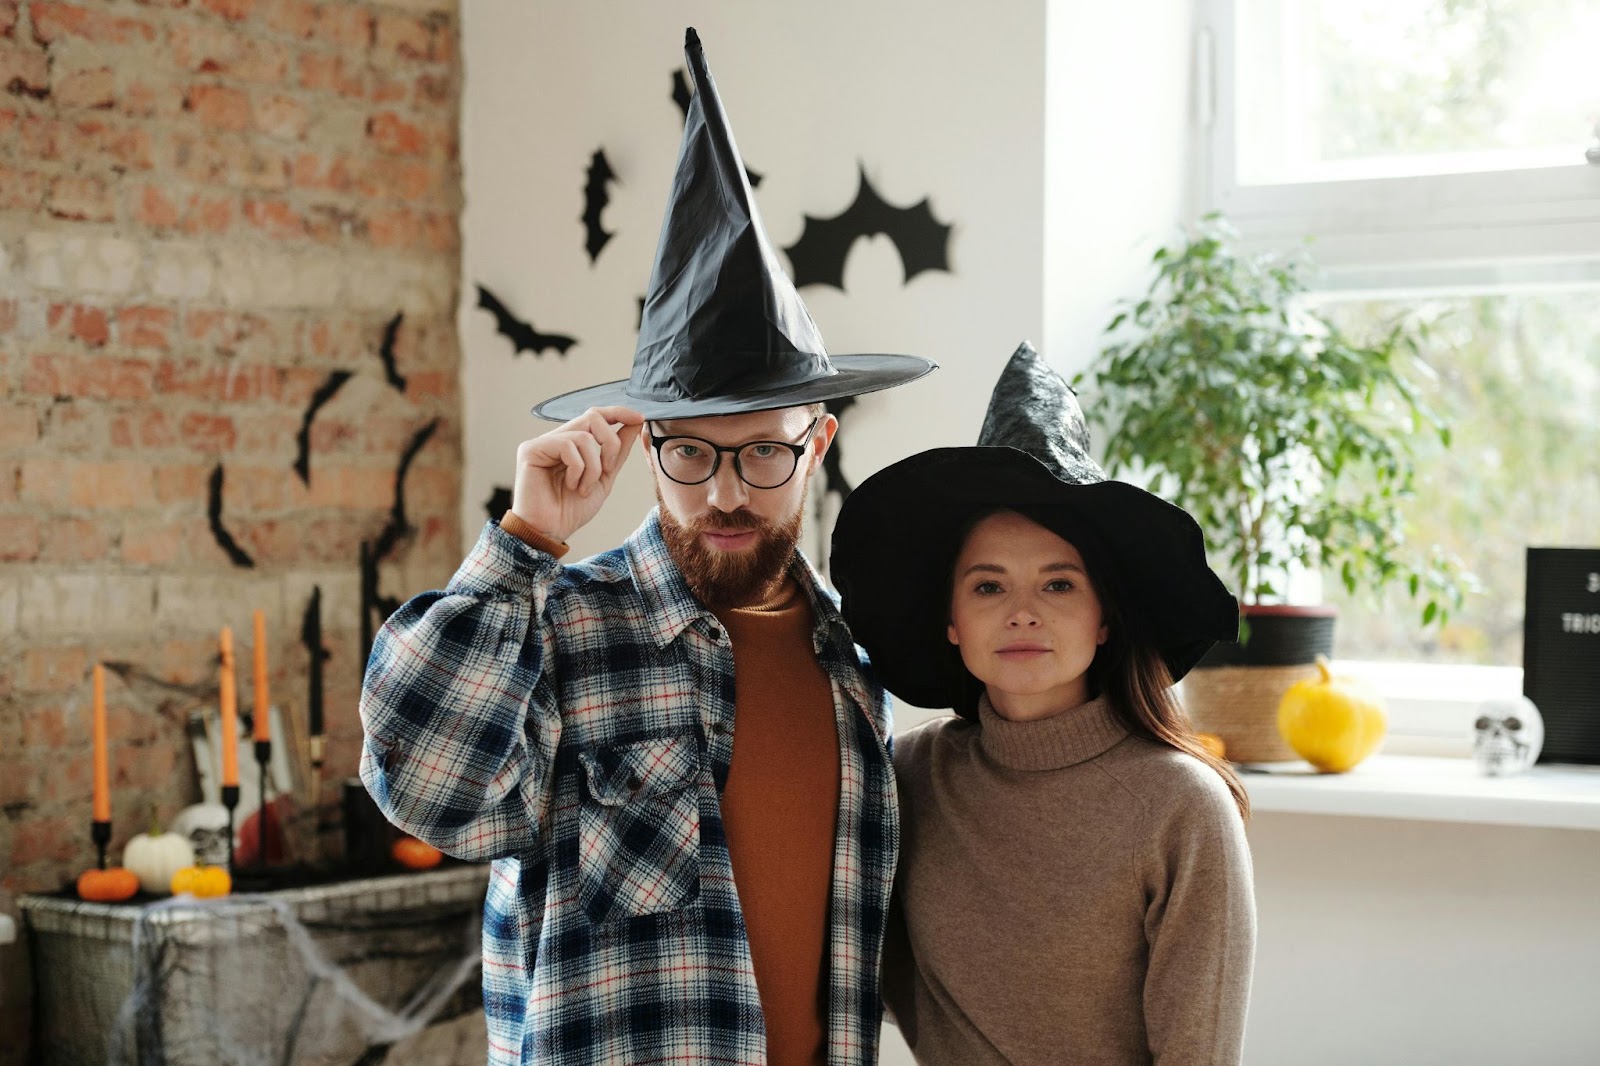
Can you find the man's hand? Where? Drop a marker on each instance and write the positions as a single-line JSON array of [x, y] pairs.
[[564, 476]]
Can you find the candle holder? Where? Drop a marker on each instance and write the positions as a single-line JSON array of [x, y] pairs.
[[100, 833], [230, 800], [263, 756], [317, 744]]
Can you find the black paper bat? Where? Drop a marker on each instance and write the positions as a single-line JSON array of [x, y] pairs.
[[311, 638], [386, 352], [596, 195], [499, 502], [398, 526], [521, 334], [681, 95], [302, 461], [833, 479], [225, 539], [818, 256]]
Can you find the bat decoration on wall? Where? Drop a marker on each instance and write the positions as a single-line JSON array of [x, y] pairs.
[[596, 195], [399, 526], [324, 393], [316, 656], [225, 539], [681, 95], [833, 479], [520, 333], [818, 256], [386, 352], [499, 502]]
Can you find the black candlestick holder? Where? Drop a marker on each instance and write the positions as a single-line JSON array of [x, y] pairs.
[[230, 800], [100, 833], [263, 756]]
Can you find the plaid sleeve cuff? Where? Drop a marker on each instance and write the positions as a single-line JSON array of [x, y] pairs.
[[502, 565]]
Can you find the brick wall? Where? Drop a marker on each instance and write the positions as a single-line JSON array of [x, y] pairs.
[[208, 210]]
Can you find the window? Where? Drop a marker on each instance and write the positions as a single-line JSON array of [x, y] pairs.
[[1443, 158]]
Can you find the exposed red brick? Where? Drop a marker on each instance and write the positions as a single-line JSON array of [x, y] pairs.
[[86, 377], [207, 432], [25, 72], [391, 133], [76, 540], [344, 25], [82, 199], [328, 73], [220, 107], [153, 207], [145, 327], [296, 18], [86, 89], [283, 117], [232, 10], [19, 538], [113, 485], [52, 22], [19, 427], [22, 190], [8, 17]]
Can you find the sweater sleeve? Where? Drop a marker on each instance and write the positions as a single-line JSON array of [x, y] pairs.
[[1200, 922], [458, 710]]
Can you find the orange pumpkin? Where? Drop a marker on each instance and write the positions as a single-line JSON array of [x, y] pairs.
[[1212, 743], [414, 854], [203, 882], [107, 886]]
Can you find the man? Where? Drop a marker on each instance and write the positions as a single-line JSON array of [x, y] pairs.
[[672, 750]]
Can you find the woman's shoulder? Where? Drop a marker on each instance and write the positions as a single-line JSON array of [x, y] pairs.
[[1171, 782], [916, 745]]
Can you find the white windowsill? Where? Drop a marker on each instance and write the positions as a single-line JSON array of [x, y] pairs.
[[1420, 788]]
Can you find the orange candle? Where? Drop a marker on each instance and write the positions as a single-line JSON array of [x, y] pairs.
[[102, 764], [263, 720], [230, 721]]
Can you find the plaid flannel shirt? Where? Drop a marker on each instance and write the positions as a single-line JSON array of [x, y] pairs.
[[575, 724]]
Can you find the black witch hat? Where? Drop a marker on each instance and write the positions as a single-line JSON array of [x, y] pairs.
[[723, 329], [898, 534]]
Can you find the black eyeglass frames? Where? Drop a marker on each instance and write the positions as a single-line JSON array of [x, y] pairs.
[[761, 464]]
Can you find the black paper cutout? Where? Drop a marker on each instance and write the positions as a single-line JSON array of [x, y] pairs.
[[520, 333], [302, 461], [499, 503], [833, 479], [224, 539], [397, 528], [681, 95], [311, 639], [596, 195], [386, 352], [819, 255]]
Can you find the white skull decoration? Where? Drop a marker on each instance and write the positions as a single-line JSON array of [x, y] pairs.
[[206, 827], [1507, 736]]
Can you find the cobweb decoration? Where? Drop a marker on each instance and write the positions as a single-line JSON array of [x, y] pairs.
[[321, 975]]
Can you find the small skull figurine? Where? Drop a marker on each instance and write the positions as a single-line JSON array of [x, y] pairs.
[[206, 827], [1507, 736]]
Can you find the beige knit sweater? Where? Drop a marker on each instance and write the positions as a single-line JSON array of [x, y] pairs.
[[1067, 893]]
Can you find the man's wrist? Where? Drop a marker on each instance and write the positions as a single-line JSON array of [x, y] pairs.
[[532, 536]]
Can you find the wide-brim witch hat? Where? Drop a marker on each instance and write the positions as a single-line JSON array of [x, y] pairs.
[[898, 534], [723, 330]]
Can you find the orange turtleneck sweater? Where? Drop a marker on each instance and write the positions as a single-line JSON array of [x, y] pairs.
[[779, 809]]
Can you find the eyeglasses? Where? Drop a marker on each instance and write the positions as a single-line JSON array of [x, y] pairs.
[[761, 464]]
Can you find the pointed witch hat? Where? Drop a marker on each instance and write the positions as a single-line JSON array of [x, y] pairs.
[[723, 329], [898, 535]]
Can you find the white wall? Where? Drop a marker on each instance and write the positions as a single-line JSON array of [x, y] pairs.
[[1402, 943], [935, 101]]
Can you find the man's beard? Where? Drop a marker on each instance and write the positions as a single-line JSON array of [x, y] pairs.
[[731, 578]]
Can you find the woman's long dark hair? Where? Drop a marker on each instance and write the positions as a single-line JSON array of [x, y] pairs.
[[1128, 669]]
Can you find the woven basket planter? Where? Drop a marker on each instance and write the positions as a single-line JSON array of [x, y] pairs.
[[1234, 691]]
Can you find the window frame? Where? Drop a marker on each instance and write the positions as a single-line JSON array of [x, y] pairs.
[[1477, 230]]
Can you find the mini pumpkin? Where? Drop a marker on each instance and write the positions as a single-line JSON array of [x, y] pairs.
[[155, 856], [110, 885], [415, 854], [203, 882], [1332, 722]]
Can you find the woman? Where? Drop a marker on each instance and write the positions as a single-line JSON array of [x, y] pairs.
[[1074, 882]]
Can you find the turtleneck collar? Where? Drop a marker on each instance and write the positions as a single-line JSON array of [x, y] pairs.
[[1053, 743]]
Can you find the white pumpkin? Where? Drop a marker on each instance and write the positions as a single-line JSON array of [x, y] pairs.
[[155, 856]]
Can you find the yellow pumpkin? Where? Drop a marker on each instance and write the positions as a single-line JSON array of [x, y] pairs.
[[203, 882], [1332, 722]]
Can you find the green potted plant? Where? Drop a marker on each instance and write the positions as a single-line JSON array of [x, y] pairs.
[[1291, 443]]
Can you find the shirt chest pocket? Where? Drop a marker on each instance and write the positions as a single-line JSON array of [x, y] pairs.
[[639, 828]]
